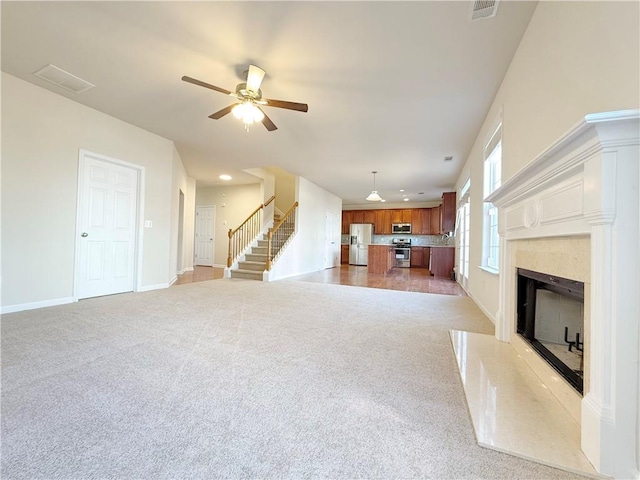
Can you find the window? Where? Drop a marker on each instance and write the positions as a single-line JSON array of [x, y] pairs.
[[463, 218], [492, 179]]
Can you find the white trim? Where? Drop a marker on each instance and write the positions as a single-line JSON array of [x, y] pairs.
[[489, 315], [33, 305], [173, 280], [490, 270], [219, 265], [137, 273], [586, 184]]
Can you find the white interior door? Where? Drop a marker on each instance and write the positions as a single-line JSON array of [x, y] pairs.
[[107, 219], [205, 221], [332, 244]]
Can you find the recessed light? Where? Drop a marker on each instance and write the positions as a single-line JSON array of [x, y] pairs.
[[402, 190], [406, 199], [383, 200], [225, 177], [404, 195]]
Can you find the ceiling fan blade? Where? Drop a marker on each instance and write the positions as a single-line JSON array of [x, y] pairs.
[[254, 78], [221, 113], [205, 85], [266, 121], [300, 107]]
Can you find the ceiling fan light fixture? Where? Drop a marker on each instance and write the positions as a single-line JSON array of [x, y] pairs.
[[247, 112]]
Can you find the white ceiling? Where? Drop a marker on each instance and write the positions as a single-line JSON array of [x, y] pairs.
[[391, 86]]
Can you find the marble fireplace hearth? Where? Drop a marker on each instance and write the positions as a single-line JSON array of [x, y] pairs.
[[574, 212]]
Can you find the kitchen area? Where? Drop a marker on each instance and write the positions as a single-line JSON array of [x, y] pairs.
[[386, 239]]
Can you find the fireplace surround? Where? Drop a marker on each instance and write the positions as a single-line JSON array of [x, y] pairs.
[[574, 212]]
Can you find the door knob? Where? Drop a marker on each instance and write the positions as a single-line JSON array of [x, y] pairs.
[[84, 234]]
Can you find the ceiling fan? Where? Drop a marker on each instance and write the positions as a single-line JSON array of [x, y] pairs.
[[250, 100]]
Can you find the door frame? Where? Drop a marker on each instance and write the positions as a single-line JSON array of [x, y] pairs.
[[137, 250]]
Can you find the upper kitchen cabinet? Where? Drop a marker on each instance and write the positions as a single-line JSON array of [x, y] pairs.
[[448, 223], [382, 222], [369, 216], [416, 221], [396, 216], [436, 212], [357, 216], [425, 219], [421, 221], [347, 220]]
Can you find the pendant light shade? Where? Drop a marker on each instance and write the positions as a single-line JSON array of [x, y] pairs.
[[373, 196]]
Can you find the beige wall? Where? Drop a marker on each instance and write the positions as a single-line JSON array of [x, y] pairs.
[[187, 185], [285, 188], [575, 58], [233, 205], [42, 134]]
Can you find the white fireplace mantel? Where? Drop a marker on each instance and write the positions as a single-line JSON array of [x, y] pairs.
[[586, 183]]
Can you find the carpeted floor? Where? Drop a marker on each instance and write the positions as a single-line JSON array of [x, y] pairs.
[[243, 379]]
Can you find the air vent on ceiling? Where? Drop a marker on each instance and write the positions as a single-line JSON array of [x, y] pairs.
[[484, 9], [63, 79], [448, 158]]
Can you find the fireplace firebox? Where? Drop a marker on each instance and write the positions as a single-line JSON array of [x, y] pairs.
[[550, 317]]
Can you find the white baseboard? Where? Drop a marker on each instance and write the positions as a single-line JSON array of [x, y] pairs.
[[33, 305], [173, 280], [158, 286], [187, 269], [479, 305], [218, 265]]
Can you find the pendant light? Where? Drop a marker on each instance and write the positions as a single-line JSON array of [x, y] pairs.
[[373, 196]]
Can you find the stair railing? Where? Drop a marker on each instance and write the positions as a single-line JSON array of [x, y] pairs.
[[279, 234], [241, 237]]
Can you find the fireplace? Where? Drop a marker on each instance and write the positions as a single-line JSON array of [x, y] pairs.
[[582, 191], [550, 317]]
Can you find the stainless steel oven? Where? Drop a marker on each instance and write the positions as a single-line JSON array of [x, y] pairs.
[[402, 252]]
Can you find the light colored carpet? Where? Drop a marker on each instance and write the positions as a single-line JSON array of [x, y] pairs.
[[244, 379]]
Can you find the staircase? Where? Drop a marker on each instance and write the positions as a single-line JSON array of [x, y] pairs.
[[258, 259], [254, 263]]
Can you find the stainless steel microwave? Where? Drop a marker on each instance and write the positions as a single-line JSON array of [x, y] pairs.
[[401, 228]]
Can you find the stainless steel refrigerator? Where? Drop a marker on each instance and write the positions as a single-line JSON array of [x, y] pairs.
[[359, 241]]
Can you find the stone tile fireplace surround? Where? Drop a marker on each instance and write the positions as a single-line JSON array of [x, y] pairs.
[[574, 212]]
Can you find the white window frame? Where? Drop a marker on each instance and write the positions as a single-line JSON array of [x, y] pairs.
[[491, 181]]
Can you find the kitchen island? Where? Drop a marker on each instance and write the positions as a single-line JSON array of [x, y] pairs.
[[381, 258]]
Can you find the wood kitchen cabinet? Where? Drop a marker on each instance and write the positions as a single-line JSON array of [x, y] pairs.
[[382, 222], [381, 259], [347, 220], [369, 216], [406, 215], [357, 216], [420, 257], [344, 253], [396, 216], [435, 220], [416, 221], [425, 216], [421, 221], [448, 223], [442, 261]]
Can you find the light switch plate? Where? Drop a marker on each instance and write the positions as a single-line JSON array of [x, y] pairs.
[[148, 224]]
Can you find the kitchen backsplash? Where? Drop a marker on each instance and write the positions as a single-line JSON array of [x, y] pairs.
[[417, 240]]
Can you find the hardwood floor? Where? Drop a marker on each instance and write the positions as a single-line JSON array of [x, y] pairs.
[[407, 279], [200, 274]]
